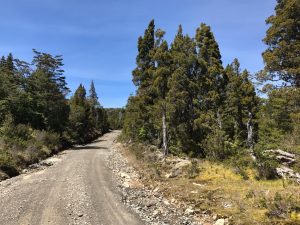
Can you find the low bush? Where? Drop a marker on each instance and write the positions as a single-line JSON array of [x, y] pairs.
[[282, 207], [217, 146], [8, 163], [266, 166], [48, 139], [24, 146], [193, 169]]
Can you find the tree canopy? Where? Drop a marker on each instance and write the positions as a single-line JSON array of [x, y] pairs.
[[282, 61]]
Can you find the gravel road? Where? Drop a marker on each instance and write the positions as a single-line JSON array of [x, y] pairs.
[[76, 189]]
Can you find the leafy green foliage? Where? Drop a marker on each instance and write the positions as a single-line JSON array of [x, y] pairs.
[[279, 120], [266, 166], [87, 119], [193, 169], [46, 86], [241, 101], [187, 103], [283, 40], [216, 145], [115, 118], [36, 118], [282, 206]]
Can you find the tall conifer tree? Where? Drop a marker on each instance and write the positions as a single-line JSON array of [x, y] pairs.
[[241, 106], [47, 87], [212, 81], [181, 92], [162, 59], [282, 61], [141, 104]]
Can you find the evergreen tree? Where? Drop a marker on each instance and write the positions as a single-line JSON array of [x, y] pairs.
[[115, 118], [9, 86], [103, 123], [241, 106], [181, 93], [136, 127], [279, 119], [2, 62], [5, 87], [162, 59], [142, 75], [98, 116], [34, 112], [10, 67], [93, 96], [210, 98], [212, 80], [79, 116], [87, 119], [20, 102], [47, 87], [186, 101], [141, 124], [282, 62], [94, 104]]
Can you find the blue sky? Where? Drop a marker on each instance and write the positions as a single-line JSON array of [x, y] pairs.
[[98, 38]]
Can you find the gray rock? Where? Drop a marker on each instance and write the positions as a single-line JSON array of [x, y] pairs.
[[286, 172], [220, 222], [189, 211], [177, 169], [282, 156]]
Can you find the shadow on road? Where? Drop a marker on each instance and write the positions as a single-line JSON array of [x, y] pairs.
[[90, 147], [97, 141]]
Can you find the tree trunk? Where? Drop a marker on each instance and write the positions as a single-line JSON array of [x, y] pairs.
[[164, 130], [219, 120], [250, 141]]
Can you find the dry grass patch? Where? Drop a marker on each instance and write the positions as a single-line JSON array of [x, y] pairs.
[[221, 192]]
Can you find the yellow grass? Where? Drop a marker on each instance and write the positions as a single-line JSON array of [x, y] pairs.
[[227, 194], [219, 191]]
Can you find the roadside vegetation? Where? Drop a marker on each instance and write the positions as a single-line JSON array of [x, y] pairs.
[[189, 104], [217, 189], [36, 118], [115, 118]]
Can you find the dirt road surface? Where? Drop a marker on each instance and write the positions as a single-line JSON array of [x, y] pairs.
[[76, 189]]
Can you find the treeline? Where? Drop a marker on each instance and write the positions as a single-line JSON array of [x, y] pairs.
[[115, 117], [187, 102], [36, 118]]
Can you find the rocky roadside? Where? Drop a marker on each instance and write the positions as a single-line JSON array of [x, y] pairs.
[[149, 202], [43, 164]]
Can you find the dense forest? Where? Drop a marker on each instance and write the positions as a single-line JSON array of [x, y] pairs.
[[188, 102], [36, 117], [115, 118]]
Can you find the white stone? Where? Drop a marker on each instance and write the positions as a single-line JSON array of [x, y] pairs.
[[124, 175], [220, 222]]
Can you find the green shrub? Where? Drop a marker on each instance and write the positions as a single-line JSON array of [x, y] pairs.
[[241, 171], [217, 146], [193, 169], [142, 134], [266, 166], [240, 162], [138, 150], [48, 139], [8, 163], [6, 159], [15, 136], [281, 206]]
